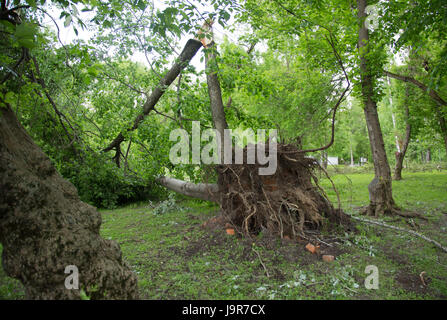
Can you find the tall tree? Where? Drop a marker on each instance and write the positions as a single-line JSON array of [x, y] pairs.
[[380, 189]]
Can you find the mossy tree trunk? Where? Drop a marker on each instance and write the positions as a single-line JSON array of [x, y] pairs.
[[45, 227]]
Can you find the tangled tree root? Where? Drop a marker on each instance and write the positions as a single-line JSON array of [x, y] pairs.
[[376, 211], [286, 203]]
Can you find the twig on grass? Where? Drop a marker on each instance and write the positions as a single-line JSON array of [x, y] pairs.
[[262, 263], [437, 244]]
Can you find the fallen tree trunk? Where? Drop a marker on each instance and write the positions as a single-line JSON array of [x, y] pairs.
[[189, 51], [45, 227], [203, 191]]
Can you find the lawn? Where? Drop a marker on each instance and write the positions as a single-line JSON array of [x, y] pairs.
[[176, 258]]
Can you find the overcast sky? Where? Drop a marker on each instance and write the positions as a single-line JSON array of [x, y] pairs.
[[67, 35]]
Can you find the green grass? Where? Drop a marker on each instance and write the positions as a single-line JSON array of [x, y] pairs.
[[175, 258], [416, 190]]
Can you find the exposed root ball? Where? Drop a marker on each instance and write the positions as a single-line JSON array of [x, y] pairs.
[[285, 203]]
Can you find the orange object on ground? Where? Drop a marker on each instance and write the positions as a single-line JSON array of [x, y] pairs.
[[328, 258], [311, 248], [230, 231]]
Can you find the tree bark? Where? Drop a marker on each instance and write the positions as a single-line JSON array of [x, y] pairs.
[[380, 192], [215, 93], [203, 191], [45, 227], [401, 155]]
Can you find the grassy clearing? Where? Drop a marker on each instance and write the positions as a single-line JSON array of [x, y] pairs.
[[175, 258]]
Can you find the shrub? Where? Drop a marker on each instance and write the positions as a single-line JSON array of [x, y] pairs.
[[102, 184]]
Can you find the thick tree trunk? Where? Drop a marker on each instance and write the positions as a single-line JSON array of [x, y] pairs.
[[45, 227], [215, 93], [203, 191], [380, 193]]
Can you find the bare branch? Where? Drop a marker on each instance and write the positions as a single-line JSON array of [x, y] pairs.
[[432, 93], [378, 223]]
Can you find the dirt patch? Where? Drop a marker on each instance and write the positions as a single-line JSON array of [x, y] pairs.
[[411, 282], [393, 254], [277, 249]]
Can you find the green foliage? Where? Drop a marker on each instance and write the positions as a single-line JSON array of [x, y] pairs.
[[421, 25], [168, 205], [290, 81], [99, 183], [25, 35]]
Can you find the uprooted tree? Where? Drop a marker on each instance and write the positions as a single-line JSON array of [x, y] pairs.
[[286, 203]]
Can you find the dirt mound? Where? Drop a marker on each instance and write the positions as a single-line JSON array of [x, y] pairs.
[[286, 203]]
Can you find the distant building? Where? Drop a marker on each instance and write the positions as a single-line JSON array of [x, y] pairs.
[[332, 161]]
